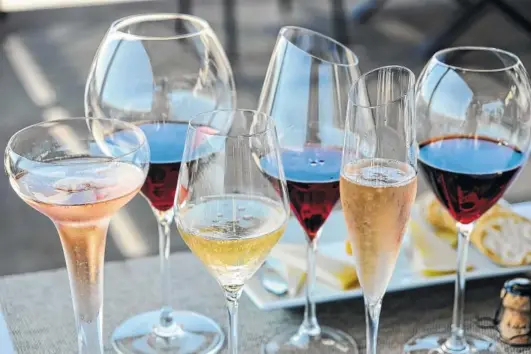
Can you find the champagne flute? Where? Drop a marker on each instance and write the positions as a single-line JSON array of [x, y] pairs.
[[157, 71], [231, 205], [378, 179], [305, 91], [79, 172], [473, 108]]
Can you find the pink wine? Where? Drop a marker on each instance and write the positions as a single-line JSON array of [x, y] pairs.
[[80, 195]]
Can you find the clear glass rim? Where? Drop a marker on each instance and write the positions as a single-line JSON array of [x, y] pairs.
[[128, 125], [118, 25], [318, 34], [409, 91], [516, 59], [194, 126]]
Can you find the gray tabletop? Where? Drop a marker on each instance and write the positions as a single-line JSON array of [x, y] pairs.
[[38, 310]]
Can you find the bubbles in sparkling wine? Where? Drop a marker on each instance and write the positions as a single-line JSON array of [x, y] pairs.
[[380, 174]]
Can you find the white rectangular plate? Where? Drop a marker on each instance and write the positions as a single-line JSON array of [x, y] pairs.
[[404, 278]]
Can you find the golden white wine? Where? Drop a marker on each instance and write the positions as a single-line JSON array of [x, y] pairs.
[[376, 196], [232, 234]]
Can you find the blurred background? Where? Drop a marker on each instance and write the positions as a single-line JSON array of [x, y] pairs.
[[47, 47]]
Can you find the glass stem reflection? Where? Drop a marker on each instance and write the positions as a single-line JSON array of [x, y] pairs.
[[457, 340], [84, 249], [310, 326], [232, 296], [167, 327], [372, 317]]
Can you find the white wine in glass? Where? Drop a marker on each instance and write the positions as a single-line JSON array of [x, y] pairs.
[[231, 204]]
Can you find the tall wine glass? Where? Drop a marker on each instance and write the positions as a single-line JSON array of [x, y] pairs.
[[157, 71], [305, 91], [378, 179], [79, 172], [232, 203], [473, 110]]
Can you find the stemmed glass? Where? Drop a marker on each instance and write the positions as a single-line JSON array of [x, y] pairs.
[[473, 132], [378, 179], [232, 203], [305, 91], [157, 71], [79, 173]]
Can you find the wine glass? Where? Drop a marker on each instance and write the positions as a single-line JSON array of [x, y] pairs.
[[232, 203], [79, 172], [378, 179], [473, 133], [305, 91], [157, 71]]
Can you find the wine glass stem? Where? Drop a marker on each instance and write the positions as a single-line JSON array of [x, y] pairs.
[[457, 340], [310, 326], [89, 335], [372, 317], [232, 296], [164, 221], [84, 249]]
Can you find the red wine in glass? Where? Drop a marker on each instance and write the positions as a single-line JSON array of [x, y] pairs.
[[312, 177], [166, 142], [469, 174]]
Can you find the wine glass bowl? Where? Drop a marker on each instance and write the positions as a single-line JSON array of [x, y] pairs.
[[157, 71], [306, 92], [232, 204], [79, 173], [473, 131]]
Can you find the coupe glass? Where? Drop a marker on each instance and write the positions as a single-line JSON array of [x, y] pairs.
[[305, 91], [157, 71], [232, 203], [474, 132], [378, 179], [79, 173]]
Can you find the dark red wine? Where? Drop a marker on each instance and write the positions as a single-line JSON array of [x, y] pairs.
[[166, 142], [469, 174], [312, 176]]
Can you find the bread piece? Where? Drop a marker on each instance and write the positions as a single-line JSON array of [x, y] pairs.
[[439, 217], [504, 237]]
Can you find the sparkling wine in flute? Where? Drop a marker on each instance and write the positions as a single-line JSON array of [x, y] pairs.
[[376, 196], [80, 195], [232, 234]]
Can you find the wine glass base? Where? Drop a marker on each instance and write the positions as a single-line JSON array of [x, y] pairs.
[[193, 334], [435, 344], [330, 341]]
